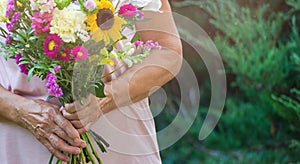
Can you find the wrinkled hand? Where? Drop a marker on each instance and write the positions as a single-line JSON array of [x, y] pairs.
[[54, 131], [83, 115]]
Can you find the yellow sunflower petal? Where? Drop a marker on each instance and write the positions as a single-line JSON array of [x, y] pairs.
[[105, 4]]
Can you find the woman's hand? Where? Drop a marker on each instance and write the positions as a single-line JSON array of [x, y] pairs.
[[83, 114], [48, 125]]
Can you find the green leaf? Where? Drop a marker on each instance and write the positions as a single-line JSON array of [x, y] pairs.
[[99, 140], [50, 97], [30, 73], [136, 37], [41, 66], [99, 89]]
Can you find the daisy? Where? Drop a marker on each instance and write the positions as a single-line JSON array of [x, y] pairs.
[[52, 45]]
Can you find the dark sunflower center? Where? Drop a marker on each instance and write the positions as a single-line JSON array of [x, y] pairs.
[[105, 19]]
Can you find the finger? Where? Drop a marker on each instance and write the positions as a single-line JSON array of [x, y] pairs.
[[61, 145], [56, 153], [70, 116], [61, 133], [77, 124], [85, 129], [68, 129], [70, 108]]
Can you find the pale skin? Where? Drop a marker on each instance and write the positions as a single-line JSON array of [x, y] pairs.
[[59, 132], [140, 80]]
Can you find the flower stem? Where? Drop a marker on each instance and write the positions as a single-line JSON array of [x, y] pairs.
[[51, 159], [87, 148], [82, 157], [93, 148]]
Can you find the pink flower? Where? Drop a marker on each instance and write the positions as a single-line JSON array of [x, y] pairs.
[[41, 22], [65, 56], [127, 11], [80, 53], [52, 45]]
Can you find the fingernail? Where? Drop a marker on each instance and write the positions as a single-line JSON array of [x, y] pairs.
[[83, 144], [78, 151]]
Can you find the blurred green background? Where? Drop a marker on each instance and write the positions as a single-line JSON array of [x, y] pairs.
[[259, 42]]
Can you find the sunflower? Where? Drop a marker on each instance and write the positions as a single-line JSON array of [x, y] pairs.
[[104, 25]]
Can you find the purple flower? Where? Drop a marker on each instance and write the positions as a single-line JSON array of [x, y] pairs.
[[23, 67], [8, 39], [138, 43], [141, 15], [57, 68], [151, 44], [53, 87], [11, 24], [10, 7]]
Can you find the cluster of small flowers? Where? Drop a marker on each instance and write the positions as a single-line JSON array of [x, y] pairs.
[[45, 6], [10, 13], [52, 46], [53, 87], [22, 66], [150, 44]]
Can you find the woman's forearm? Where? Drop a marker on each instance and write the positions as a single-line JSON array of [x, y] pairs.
[[141, 80], [10, 105], [158, 68]]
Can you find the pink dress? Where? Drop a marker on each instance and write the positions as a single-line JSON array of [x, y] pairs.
[[130, 130]]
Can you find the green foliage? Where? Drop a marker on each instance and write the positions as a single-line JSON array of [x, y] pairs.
[[260, 45], [248, 44]]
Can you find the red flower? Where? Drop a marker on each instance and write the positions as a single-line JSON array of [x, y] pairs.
[[65, 56]]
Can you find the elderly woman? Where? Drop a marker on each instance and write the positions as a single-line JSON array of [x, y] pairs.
[[31, 128]]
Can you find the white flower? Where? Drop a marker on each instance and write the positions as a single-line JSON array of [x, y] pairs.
[[73, 6], [42, 5], [83, 35], [66, 23], [153, 5], [3, 4]]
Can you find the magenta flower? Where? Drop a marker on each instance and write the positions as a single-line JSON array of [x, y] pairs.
[[52, 45], [8, 39], [53, 87], [80, 53], [23, 67], [138, 43], [10, 7], [11, 24], [127, 11], [57, 68], [41, 22], [65, 56], [151, 44]]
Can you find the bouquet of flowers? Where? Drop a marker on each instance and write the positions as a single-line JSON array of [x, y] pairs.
[[67, 43]]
